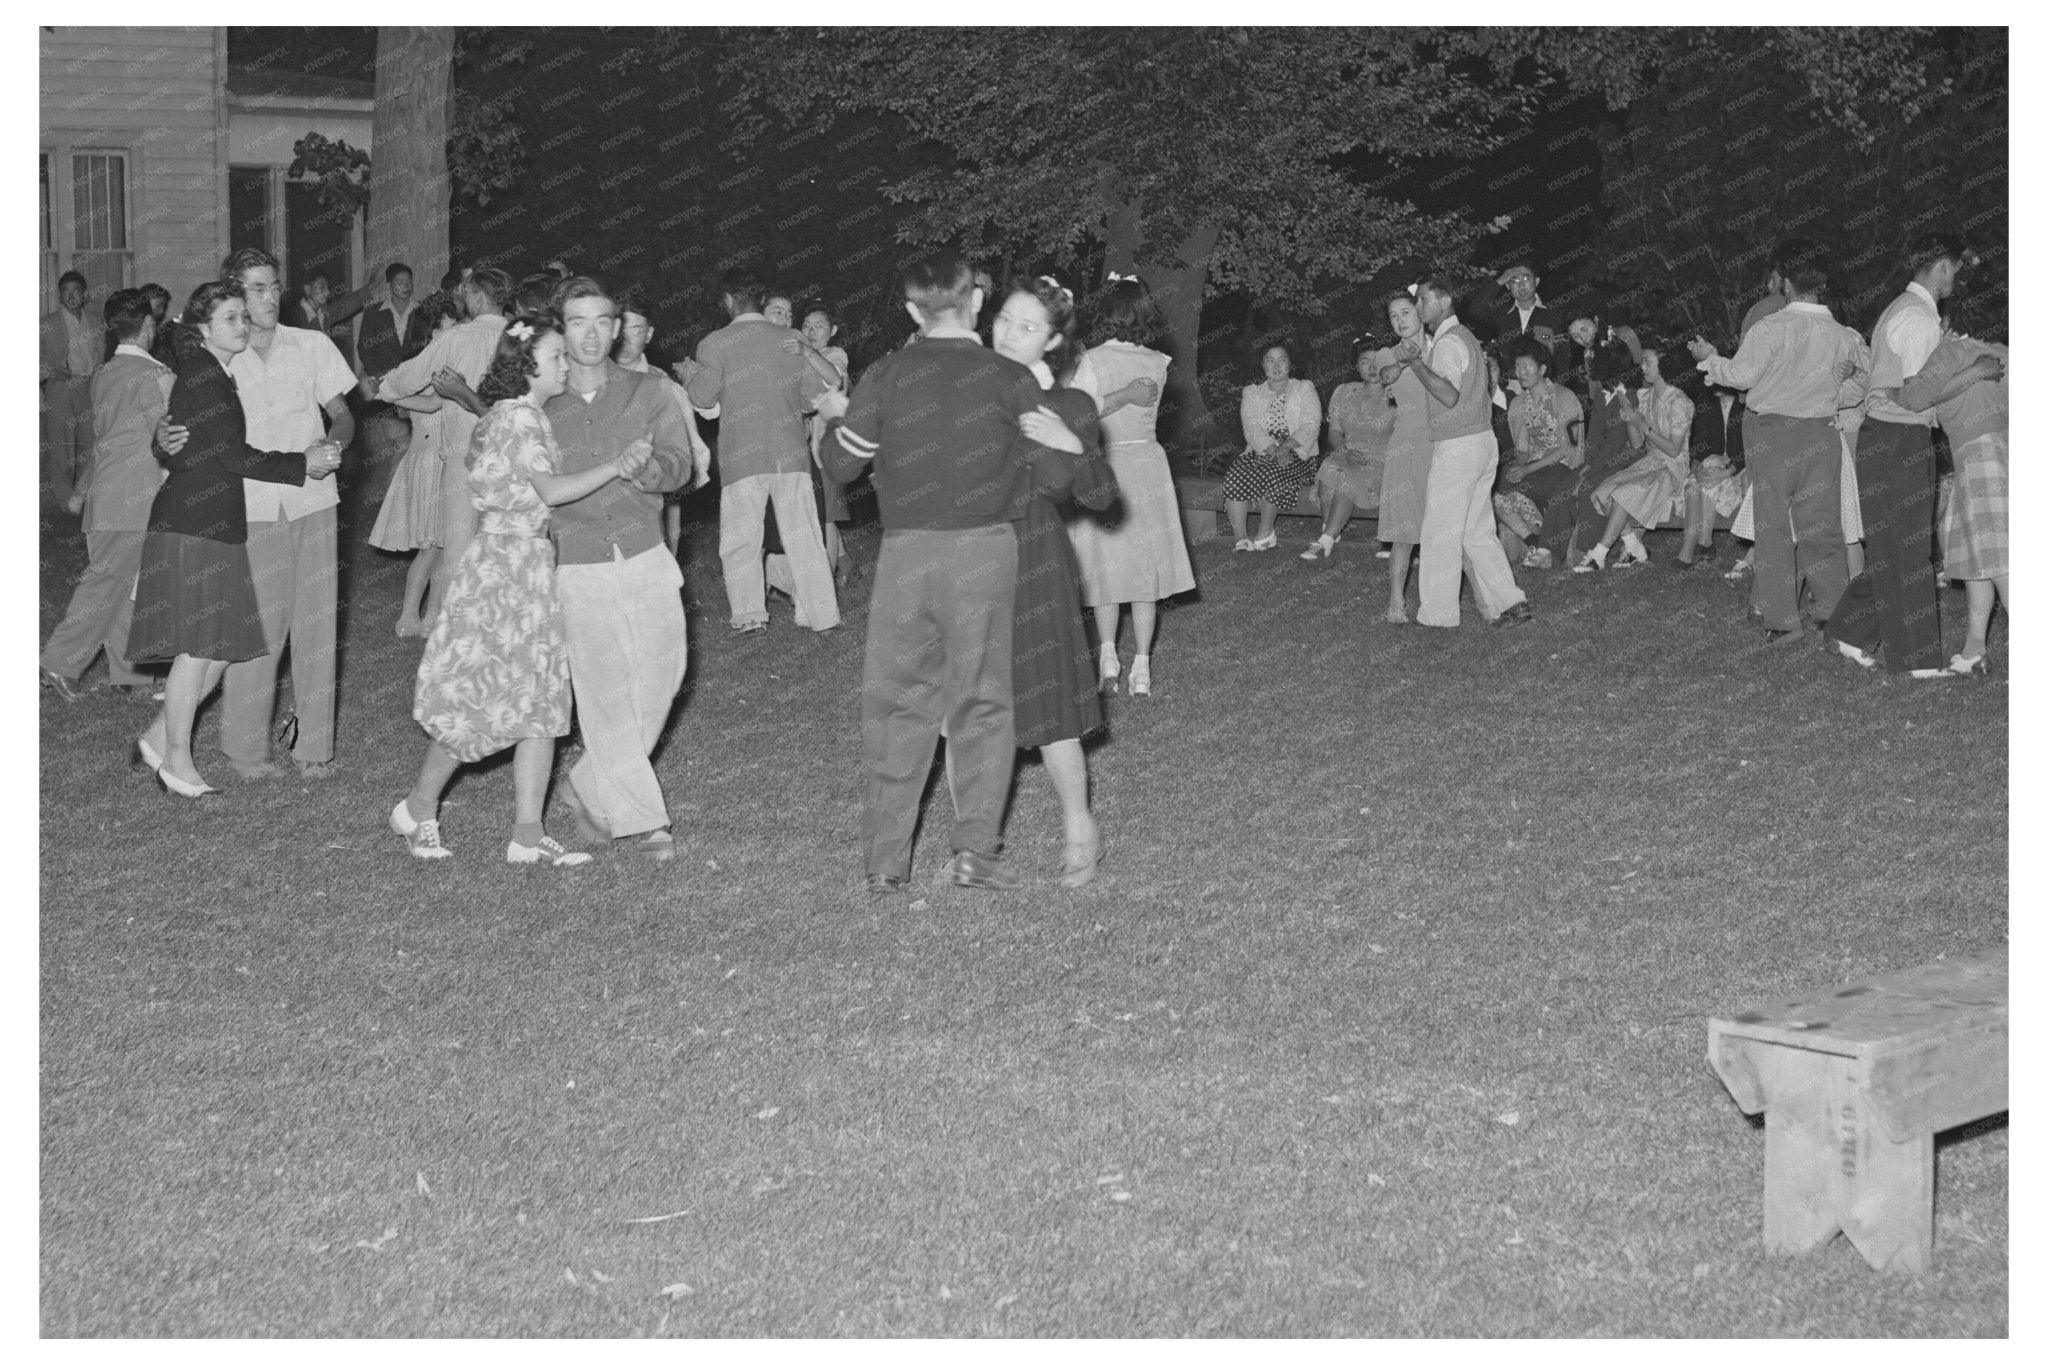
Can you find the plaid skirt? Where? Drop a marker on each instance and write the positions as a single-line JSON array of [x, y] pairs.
[[1974, 536]]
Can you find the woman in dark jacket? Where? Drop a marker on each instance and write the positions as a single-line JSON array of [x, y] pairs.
[[195, 603]]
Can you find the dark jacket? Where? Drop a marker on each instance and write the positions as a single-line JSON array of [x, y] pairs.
[[203, 495]]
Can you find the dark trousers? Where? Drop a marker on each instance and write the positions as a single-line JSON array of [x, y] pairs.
[[1555, 491], [1893, 601], [1795, 466], [938, 666]]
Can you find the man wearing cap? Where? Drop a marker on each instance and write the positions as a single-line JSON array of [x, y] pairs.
[[1522, 313]]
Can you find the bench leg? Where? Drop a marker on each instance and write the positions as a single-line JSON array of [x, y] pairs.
[[1829, 1167]]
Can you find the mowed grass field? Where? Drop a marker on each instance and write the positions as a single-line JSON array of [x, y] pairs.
[[1385, 1017]]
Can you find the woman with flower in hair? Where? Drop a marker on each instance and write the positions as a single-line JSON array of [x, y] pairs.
[[496, 668], [1138, 557], [1054, 691]]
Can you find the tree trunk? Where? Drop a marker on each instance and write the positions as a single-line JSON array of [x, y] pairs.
[[1184, 418], [409, 196]]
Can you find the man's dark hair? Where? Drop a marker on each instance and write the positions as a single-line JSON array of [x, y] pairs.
[[245, 258], [581, 287], [70, 276], [158, 296], [1441, 284], [394, 270], [1932, 247], [1803, 263], [536, 292], [941, 283], [126, 312], [450, 280], [742, 290]]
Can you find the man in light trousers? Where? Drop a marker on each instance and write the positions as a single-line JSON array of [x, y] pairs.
[[621, 590], [1457, 521]]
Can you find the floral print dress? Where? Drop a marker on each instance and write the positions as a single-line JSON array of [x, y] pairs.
[[496, 666]]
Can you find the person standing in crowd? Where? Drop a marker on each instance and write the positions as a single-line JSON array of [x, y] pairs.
[[621, 590], [779, 309], [1141, 558], [1793, 365], [1361, 424], [1522, 313], [636, 334], [1282, 420], [1643, 496], [319, 309], [443, 518], [162, 349], [1457, 516], [495, 672], [197, 599], [760, 389], [941, 423], [1548, 428], [129, 394], [71, 351], [1407, 469], [1051, 680], [1893, 603], [1964, 382], [392, 330], [286, 377], [833, 367]]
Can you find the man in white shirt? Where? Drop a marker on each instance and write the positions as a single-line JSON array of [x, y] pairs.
[[71, 347], [1894, 602], [286, 379]]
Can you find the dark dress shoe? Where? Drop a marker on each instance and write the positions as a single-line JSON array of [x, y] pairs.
[[979, 870], [882, 884], [1517, 615]]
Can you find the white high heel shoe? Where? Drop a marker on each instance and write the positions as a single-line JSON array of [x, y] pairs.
[[1141, 675], [1110, 671], [1320, 547]]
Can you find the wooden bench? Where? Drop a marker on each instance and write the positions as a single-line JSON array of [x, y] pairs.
[[1201, 507], [1853, 1085]]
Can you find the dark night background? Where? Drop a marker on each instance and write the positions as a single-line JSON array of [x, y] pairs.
[[632, 172]]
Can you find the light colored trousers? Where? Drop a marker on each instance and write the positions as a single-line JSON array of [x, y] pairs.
[[102, 605], [742, 506], [628, 650], [293, 565], [1458, 533], [67, 435]]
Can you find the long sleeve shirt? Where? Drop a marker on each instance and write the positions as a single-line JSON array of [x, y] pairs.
[[624, 516], [760, 386], [129, 394], [1787, 363], [467, 349], [938, 422]]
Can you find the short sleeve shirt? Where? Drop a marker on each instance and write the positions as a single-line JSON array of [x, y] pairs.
[[282, 396]]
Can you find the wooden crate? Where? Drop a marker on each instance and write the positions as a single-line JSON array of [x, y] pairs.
[[1853, 1086]]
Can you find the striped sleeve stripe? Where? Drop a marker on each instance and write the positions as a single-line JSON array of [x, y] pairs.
[[857, 445]]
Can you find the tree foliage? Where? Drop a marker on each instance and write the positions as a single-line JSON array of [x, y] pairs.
[[1236, 131], [343, 171], [1733, 149]]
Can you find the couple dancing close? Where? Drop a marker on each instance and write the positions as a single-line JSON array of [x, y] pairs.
[[975, 630]]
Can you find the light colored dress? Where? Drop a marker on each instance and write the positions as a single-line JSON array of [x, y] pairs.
[[410, 516], [1652, 489], [1408, 452], [496, 667], [1743, 526], [1141, 554], [1361, 426]]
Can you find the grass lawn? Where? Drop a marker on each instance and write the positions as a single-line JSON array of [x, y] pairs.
[[1386, 1015]]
